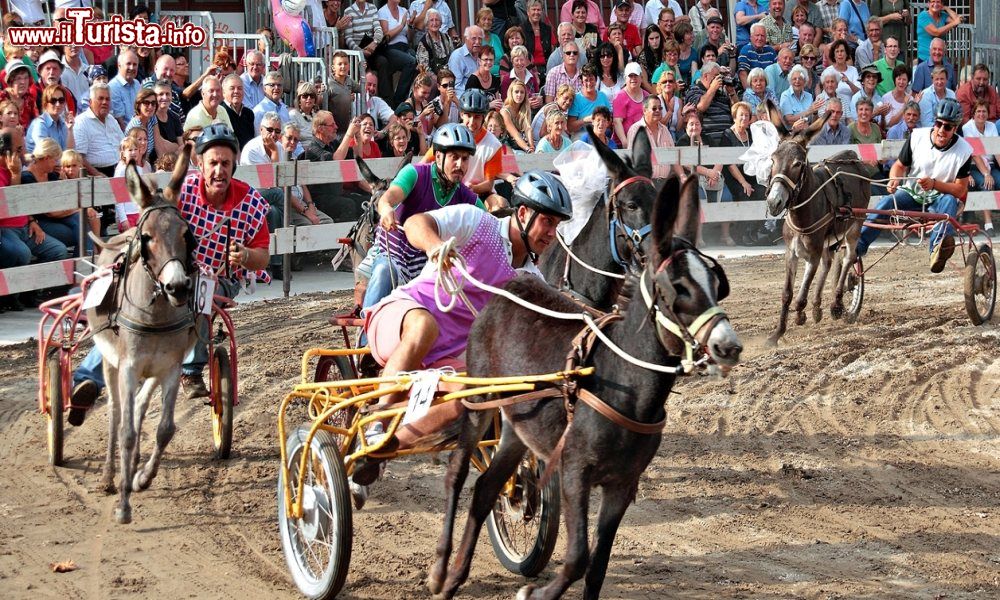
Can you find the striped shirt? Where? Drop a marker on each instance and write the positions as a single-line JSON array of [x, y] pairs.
[[363, 22]]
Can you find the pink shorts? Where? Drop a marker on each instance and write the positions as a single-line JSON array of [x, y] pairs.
[[384, 326]]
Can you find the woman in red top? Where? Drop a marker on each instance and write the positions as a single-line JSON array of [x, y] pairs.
[[538, 36]]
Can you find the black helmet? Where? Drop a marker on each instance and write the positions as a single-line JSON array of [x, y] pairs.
[[453, 136], [474, 101], [544, 193], [214, 135], [949, 110]]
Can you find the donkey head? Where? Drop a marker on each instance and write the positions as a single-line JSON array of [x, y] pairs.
[[630, 203], [791, 162], [166, 245], [682, 286], [379, 185]]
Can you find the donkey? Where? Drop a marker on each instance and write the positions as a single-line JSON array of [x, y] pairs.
[[814, 227], [145, 328], [629, 205], [509, 340]]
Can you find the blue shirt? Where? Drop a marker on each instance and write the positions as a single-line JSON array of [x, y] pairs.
[[253, 93], [923, 38], [792, 105], [582, 107], [44, 126], [265, 106], [123, 97], [777, 80], [751, 57], [928, 104], [743, 31], [855, 26], [462, 64], [586, 138], [922, 75]]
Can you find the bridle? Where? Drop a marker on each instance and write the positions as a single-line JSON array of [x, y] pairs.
[[618, 228]]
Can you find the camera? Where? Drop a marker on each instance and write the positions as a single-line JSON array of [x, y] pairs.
[[727, 76], [438, 109]]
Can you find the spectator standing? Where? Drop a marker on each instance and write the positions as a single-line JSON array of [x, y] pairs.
[[871, 49], [586, 34], [622, 13], [484, 19], [813, 14], [239, 114], [628, 104], [748, 12], [164, 70], [922, 72], [464, 60], [253, 79], [857, 14], [698, 14], [538, 37], [207, 111], [55, 122], [272, 101], [342, 90], [593, 16], [420, 12], [934, 22], [124, 87], [979, 90], [397, 57], [74, 76], [98, 134], [893, 16], [568, 72], [778, 28]]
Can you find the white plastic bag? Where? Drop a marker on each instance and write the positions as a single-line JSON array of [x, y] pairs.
[[582, 171], [758, 156]]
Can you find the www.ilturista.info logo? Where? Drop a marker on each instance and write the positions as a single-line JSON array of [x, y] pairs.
[[80, 29]]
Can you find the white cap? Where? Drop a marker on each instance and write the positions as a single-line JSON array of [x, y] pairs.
[[48, 57], [633, 69]]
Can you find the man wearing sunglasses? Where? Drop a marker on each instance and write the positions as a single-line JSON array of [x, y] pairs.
[[936, 164]]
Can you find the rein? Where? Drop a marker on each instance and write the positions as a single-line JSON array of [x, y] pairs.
[[633, 237]]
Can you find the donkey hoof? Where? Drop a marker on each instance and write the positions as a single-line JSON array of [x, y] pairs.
[[123, 515], [141, 482], [772, 341], [434, 584], [525, 592], [837, 311], [800, 318], [817, 314]]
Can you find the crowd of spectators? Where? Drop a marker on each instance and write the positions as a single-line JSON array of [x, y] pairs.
[[675, 71]]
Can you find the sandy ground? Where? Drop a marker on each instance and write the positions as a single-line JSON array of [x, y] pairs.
[[853, 461]]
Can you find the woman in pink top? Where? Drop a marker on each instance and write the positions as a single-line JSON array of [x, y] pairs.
[[627, 106]]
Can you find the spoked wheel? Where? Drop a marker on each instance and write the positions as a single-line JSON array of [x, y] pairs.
[[980, 284], [54, 409], [524, 524], [222, 403], [317, 547], [854, 287], [336, 368]]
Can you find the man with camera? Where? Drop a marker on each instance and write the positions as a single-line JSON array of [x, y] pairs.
[[712, 96]]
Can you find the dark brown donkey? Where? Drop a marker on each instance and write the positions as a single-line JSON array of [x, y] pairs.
[[814, 226], [510, 340]]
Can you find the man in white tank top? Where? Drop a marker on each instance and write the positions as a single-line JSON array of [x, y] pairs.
[[939, 163]]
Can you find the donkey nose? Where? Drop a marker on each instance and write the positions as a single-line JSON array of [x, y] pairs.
[[175, 287], [727, 351]]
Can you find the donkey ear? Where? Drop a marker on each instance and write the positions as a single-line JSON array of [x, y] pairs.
[[642, 154], [774, 114], [137, 188], [688, 211], [366, 173], [407, 159], [665, 217], [810, 133], [173, 189], [617, 168]]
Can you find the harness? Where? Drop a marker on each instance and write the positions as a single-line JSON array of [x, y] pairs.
[[617, 227], [793, 191]]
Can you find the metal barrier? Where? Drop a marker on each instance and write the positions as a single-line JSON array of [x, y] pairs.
[[199, 56], [308, 69], [239, 44]]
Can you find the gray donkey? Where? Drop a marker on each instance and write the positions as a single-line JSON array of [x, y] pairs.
[[145, 327]]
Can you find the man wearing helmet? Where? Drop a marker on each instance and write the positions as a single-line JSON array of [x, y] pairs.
[[219, 210], [418, 189], [939, 162], [486, 164]]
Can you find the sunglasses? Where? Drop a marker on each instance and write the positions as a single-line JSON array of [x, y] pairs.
[[571, 52], [808, 58], [945, 125], [313, 96], [666, 81], [57, 101], [148, 103], [272, 130], [448, 85], [607, 55]]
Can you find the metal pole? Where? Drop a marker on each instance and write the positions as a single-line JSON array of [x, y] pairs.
[[286, 258], [81, 233]]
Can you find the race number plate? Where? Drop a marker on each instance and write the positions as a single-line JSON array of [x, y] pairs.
[[203, 298], [421, 395], [97, 291]]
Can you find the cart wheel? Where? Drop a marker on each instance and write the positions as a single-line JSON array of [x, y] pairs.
[[980, 284], [337, 368], [222, 403], [317, 547], [524, 524], [855, 286], [54, 409]]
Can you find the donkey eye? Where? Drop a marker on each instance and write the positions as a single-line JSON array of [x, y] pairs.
[[631, 206], [682, 290]]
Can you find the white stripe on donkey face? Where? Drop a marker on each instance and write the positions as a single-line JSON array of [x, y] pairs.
[[722, 340]]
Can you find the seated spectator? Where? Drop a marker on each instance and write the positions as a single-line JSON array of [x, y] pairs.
[[707, 53], [871, 49], [304, 211], [396, 56], [830, 90], [864, 131], [622, 14], [494, 126], [797, 104], [659, 135], [484, 19], [166, 163], [922, 72], [870, 78], [931, 97], [145, 119], [272, 101], [483, 78], [834, 131], [713, 99], [63, 225], [651, 55], [18, 79], [609, 76], [97, 134], [566, 73], [986, 175], [585, 101], [376, 106], [585, 34], [464, 60], [416, 143], [671, 56], [755, 54], [50, 70], [715, 35], [809, 59], [421, 14], [709, 178], [778, 31], [698, 14], [564, 34], [420, 101], [747, 13], [137, 153], [886, 64], [519, 71], [54, 123], [207, 111], [329, 197], [512, 38], [265, 148], [664, 15], [979, 90], [305, 109], [516, 118], [601, 124], [365, 33], [759, 91], [564, 100], [555, 139], [359, 141], [446, 103], [807, 34], [740, 185], [934, 22], [239, 113], [687, 56], [909, 120], [777, 74], [593, 16], [627, 107], [616, 38], [671, 102], [435, 46], [398, 140], [838, 54], [71, 167], [166, 65]]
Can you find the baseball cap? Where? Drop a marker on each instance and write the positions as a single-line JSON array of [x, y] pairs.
[[95, 71], [13, 67], [633, 69], [403, 108], [48, 56], [623, 4], [714, 19]]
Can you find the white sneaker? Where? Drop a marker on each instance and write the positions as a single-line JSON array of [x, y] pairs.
[[375, 433]]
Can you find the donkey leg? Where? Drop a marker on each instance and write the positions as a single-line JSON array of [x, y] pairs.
[[114, 416], [791, 266], [824, 270], [484, 497], [458, 471], [142, 398], [802, 297], [844, 267], [614, 502], [164, 432], [575, 501], [837, 304], [127, 441]]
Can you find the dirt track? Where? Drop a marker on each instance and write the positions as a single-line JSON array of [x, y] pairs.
[[856, 461]]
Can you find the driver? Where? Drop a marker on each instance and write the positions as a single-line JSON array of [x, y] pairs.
[[939, 163], [208, 196]]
